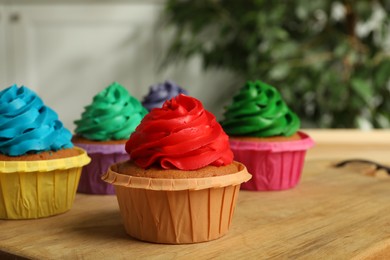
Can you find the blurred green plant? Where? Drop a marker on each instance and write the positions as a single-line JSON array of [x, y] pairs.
[[330, 59]]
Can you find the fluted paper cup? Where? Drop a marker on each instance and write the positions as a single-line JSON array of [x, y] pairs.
[[36, 189], [102, 156], [177, 211], [273, 165]]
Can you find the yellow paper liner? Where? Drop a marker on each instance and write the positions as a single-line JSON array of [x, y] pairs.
[[28, 195], [129, 181], [38, 189], [45, 165]]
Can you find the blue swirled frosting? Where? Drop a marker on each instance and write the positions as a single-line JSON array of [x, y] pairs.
[[159, 93], [27, 125]]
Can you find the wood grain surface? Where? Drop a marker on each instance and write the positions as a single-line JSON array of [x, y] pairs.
[[334, 213]]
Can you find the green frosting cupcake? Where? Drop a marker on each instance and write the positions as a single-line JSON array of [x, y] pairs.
[[259, 111], [113, 115]]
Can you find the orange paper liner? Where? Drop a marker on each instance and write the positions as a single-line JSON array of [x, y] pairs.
[[45, 165], [177, 184], [177, 211], [177, 217]]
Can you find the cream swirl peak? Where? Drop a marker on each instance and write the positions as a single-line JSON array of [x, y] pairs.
[[113, 115], [27, 125], [181, 135], [258, 110]]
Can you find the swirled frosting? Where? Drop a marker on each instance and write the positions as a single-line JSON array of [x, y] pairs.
[[180, 135], [113, 115], [259, 111], [159, 93], [27, 125]]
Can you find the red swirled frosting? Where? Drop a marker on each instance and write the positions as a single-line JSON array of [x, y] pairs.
[[180, 135]]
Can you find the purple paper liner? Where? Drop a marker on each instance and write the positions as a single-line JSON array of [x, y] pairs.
[[102, 157], [102, 148]]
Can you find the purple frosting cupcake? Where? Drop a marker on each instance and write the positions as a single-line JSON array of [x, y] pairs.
[[159, 93]]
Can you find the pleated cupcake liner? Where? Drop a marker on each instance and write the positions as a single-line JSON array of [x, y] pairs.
[[91, 178], [45, 165], [36, 189], [169, 184], [273, 165], [102, 148], [102, 156], [177, 211]]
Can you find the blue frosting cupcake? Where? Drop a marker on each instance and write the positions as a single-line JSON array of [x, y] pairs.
[[39, 167], [27, 125]]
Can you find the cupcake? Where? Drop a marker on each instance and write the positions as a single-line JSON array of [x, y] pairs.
[[102, 131], [264, 136], [181, 183], [39, 166], [159, 93]]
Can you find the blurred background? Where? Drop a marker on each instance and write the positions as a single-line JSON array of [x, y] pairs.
[[330, 59]]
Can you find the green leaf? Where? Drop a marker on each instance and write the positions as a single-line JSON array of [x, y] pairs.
[[279, 71], [382, 75], [383, 120], [363, 89]]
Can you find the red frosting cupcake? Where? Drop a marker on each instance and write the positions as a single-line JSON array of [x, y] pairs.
[[182, 166]]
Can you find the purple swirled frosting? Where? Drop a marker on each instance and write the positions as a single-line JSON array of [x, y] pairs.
[[27, 125], [159, 93]]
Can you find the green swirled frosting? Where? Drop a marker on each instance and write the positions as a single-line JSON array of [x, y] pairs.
[[113, 115], [259, 111]]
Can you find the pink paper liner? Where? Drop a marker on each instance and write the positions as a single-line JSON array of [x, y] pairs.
[[273, 165], [102, 156]]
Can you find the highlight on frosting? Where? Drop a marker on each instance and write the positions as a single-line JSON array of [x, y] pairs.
[[258, 110], [180, 135], [27, 125], [159, 93], [113, 115]]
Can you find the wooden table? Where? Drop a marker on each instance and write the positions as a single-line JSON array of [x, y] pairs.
[[332, 214]]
